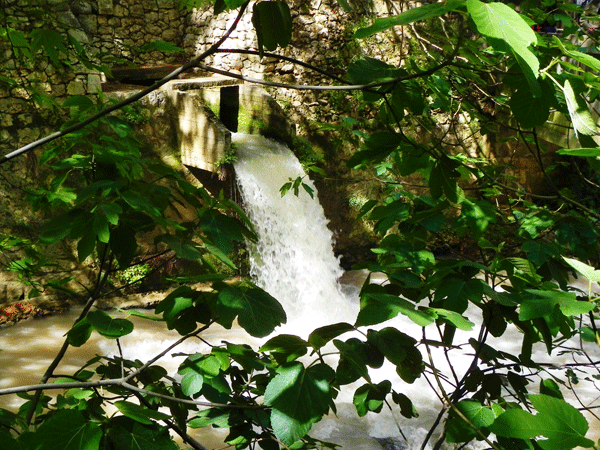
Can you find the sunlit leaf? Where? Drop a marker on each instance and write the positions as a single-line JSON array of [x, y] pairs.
[[298, 397], [412, 15], [139, 413], [107, 326], [258, 312], [376, 308], [582, 119], [559, 422], [478, 415]]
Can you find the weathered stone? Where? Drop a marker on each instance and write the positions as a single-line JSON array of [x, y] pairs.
[[105, 7], [137, 10], [89, 23], [81, 7], [94, 83], [76, 88], [68, 19]]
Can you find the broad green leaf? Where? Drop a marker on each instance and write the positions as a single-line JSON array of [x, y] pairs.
[[368, 70], [183, 248], [107, 326], [216, 417], [287, 346], [391, 343], [125, 433], [377, 147], [353, 361], [123, 244], [460, 322], [100, 227], [582, 119], [550, 387], [530, 111], [87, 243], [298, 397], [79, 333], [258, 312], [539, 253], [407, 409], [480, 416], [321, 336], [273, 24], [176, 304], [582, 152], [377, 307], [139, 413], [68, 429], [112, 211], [371, 397], [559, 422], [443, 180], [583, 58], [587, 271], [499, 21], [455, 293], [161, 46], [193, 377], [542, 303], [412, 15]]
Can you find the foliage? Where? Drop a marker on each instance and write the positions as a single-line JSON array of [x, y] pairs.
[[483, 71]]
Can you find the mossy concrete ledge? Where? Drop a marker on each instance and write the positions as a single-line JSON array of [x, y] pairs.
[[187, 120]]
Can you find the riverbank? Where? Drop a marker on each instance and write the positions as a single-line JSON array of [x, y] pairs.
[[26, 310]]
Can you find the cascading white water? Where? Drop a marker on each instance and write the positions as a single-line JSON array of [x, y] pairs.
[[293, 259]]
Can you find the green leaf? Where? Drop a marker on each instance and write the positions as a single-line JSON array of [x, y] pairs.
[[161, 46], [258, 312], [193, 377], [562, 425], [392, 343], [287, 346], [581, 152], [407, 409], [530, 111], [587, 271], [498, 21], [123, 244], [273, 24], [377, 307], [460, 322], [377, 147], [480, 416], [367, 70], [127, 434], [107, 326], [455, 292], [371, 397], [353, 361], [68, 429], [443, 180], [321, 336], [79, 333], [583, 58], [582, 119], [412, 15], [139, 413], [298, 397], [542, 303], [87, 243]]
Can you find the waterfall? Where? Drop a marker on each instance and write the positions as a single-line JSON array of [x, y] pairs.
[[293, 259]]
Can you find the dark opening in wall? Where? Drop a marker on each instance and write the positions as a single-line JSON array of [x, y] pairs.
[[229, 107]]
